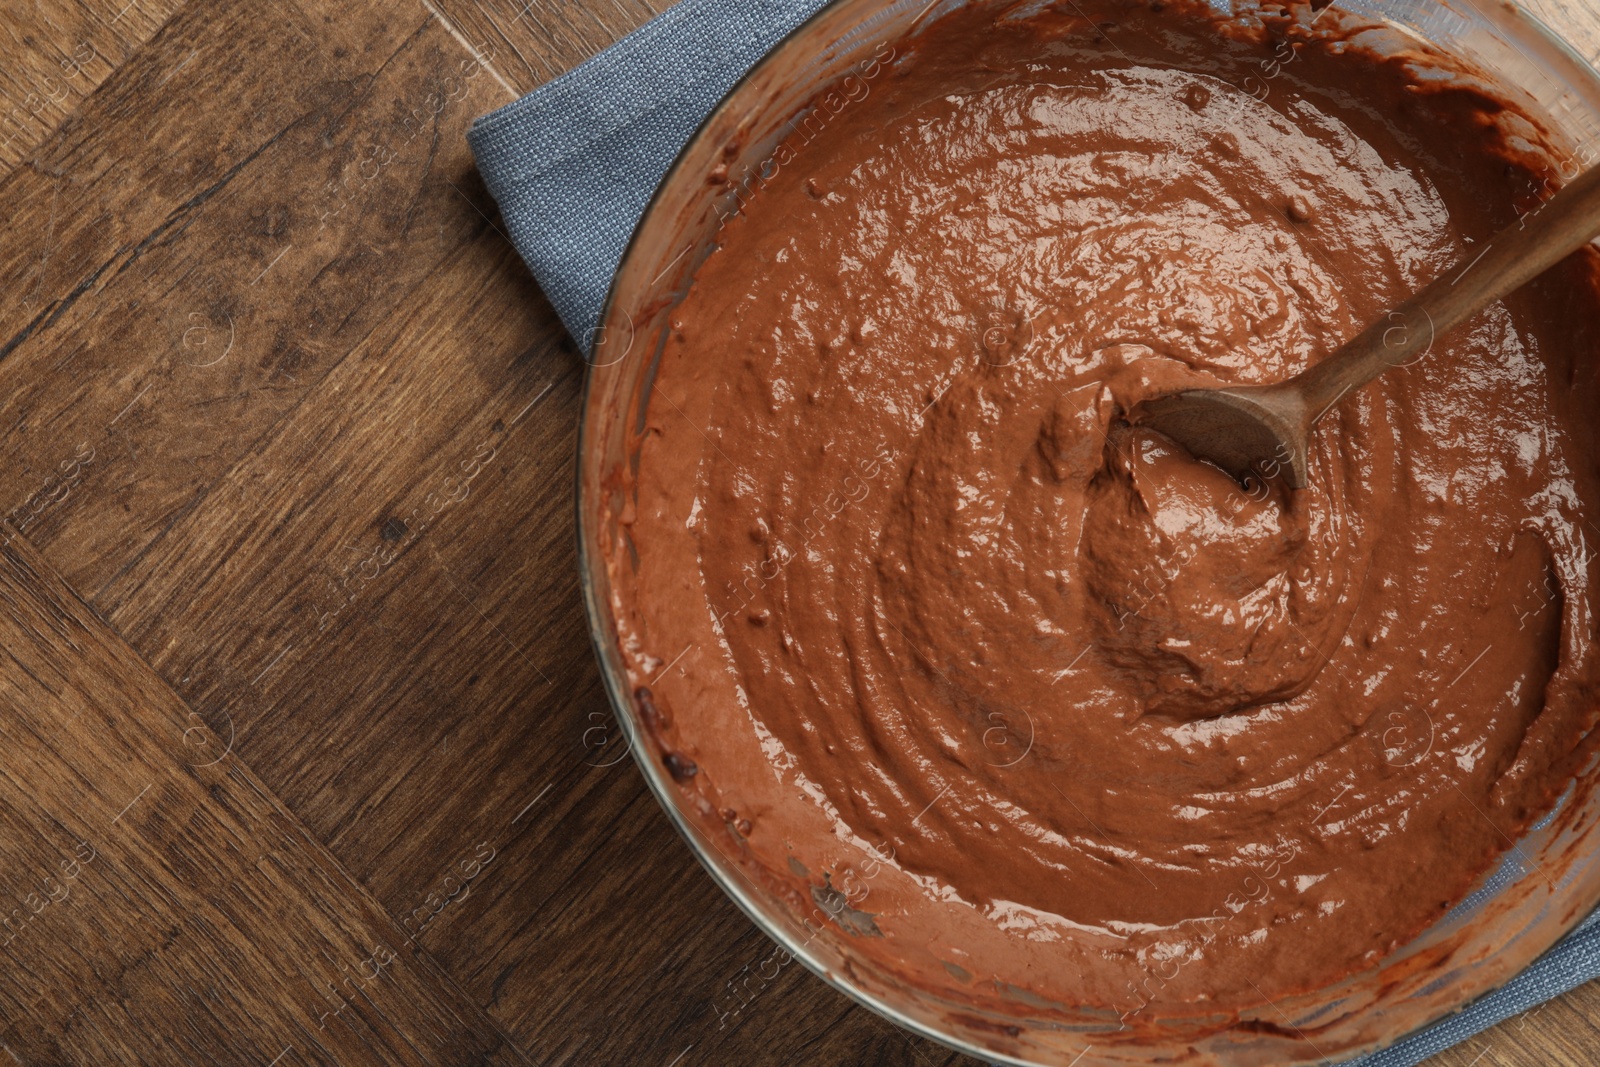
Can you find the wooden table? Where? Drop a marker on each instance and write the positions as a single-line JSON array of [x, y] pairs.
[[305, 755]]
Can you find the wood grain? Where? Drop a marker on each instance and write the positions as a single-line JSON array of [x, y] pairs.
[[52, 56], [210, 272], [535, 40], [159, 906], [280, 402]]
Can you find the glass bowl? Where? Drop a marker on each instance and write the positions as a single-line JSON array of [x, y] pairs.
[[1545, 886]]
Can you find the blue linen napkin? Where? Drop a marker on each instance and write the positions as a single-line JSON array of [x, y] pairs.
[[573, 163], [572, 166]]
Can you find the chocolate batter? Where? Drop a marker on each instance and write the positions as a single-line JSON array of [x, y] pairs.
[[1035, 706]]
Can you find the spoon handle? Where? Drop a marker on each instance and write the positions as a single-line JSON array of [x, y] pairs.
[[1565, 223]]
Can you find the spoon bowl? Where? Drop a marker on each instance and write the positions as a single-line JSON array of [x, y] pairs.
[[1249, 431], [1265, 431]]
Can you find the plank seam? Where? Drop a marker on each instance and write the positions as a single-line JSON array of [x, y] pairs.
[[461, 39], [320, 854]]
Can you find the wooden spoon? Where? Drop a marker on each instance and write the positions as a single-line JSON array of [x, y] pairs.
[[1263, 430]]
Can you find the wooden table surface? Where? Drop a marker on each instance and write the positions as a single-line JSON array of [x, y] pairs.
[[306, 759]]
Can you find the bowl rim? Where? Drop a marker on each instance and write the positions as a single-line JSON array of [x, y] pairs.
[[602, 633]]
